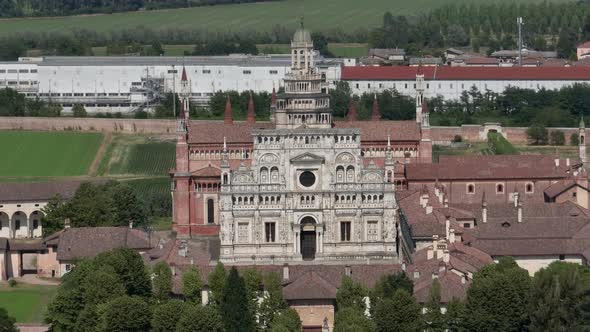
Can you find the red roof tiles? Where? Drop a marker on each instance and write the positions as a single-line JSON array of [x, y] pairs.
[[466, 73]]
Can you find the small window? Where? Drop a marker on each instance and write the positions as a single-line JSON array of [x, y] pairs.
[[529, 188], [2, 71], [247, 72], [369, 85], [33, 71], [357, 85], [470, 189], [416, 274], [574, 194], [206, 71], [406, 86], [345, 231], [210, 211], [273, 72], [561, 257], [23, 71], [466, 225], [269, 231], [499, 188], [68, 267], [172, 71]]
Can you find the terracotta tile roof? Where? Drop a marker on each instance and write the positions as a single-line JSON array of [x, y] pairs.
[[481, 61], [214, 131], [310, 286], [561, 186], [465, 73], [451, 287], [37, 191], [87, 242], [422, 224], [488, 167], [207, 172], [207, 132], [584, 45], [26, 244]]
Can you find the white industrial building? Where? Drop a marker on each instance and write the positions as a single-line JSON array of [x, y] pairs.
[[127, 84], [450, 82]]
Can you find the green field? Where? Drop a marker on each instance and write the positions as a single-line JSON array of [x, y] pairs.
[[320, 15], [26, 303], [137, 155], [27, 153]]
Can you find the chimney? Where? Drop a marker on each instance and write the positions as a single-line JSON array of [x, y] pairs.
[[67, 223], [446, 256], [484, 209], [452, 238], [428, 209], [447, 226], [556, 162], [347, 271], [286, 271], [519, 211], [446, 201], [131, 224], [442, 267], [516, 199], [567, 162], [404, 267], [463, 279]]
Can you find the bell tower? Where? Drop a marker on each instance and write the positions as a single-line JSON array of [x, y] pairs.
[[305, 102], [582, 141]]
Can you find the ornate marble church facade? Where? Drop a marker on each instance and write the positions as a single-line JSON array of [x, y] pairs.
[[302, 187]]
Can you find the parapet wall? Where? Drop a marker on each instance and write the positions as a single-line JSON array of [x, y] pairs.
[[440, 135]]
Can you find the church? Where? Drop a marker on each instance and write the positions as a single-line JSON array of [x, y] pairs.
[[303, 186]]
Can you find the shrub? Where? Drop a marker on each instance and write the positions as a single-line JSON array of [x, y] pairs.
[[538, 134], [574, 139], [79, 111], [557, 137], [500, 145], [12, 283], [141, 115]]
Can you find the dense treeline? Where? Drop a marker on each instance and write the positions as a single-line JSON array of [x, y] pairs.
[[513, 107], [548, 26], [19, 8], [115, 291], [502, 297]]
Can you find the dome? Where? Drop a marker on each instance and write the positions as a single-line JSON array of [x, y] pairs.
[[302, 36]]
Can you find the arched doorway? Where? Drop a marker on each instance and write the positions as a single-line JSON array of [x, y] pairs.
[[308, 238]]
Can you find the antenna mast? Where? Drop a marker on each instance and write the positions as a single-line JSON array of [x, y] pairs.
[[519, 22]]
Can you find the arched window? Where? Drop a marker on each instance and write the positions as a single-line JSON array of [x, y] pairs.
[[350, 174], [529, 188], [225, 178], [499, 188], [389, 176], [582, 139], [264, 175], [274, 175], [339, 174], [470, 189], [210, 211]]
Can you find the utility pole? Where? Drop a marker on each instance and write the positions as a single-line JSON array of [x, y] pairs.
[[519, 22]]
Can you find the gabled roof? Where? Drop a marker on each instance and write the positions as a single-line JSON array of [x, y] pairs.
[[560, 186], [307, 157], [310, 286], [207, 172], [87, 242], [37, 191]]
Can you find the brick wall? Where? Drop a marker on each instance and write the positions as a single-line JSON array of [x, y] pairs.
[[129, 126]]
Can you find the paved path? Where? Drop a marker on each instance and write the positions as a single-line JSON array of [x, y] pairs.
[[32, 279]]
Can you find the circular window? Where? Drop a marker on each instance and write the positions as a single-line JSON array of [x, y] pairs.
[[307, 179]]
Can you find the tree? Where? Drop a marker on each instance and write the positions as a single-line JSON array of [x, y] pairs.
[[388, 285], [557, 137], [167, 315], [236, 315], [130, 268], [217, 280], [351, 295], [400, 313], [101, 286], [128, 210], [456, 36], [348, 319], [200, 319], [88, 319], [162, 281], [253, 283], [454, 316], [538, 134], [433, 318], [557, 294], [53, 215], [287, 319], [574, 140], [273, 301], [498, 298], [79, 111], [340, 98], [7, 322], [192, 285], [126, 314]]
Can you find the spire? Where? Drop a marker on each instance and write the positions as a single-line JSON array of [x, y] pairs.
[[483, 199], [251, 117], [389, 143], [273, 97], [351, 111], [582, 125], [375, 116], [301, 21], [183, 78], [227, 118]]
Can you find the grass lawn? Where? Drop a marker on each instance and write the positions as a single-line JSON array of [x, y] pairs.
[[320, 15], [138, 155], [564, 151], [470, 148], [28, 153], [26, 303]]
